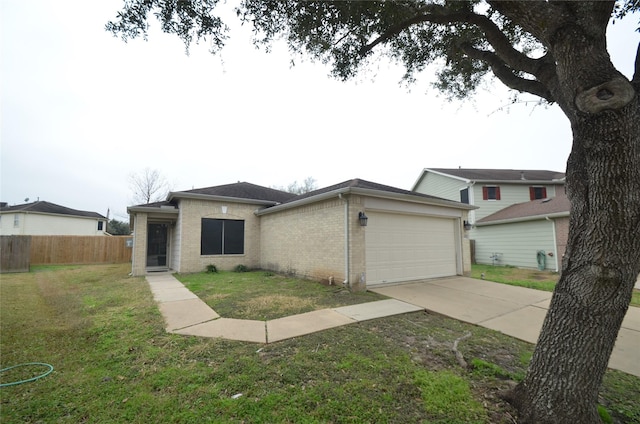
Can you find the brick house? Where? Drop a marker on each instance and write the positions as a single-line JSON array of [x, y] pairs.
[[356, 233]]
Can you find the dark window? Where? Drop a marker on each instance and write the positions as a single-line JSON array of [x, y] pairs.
[[100, 224], [222, 237], [491, 193], [464, 195], [537, 193]]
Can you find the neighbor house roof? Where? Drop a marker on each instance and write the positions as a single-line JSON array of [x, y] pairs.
[[42, 206], [363, 187], [498, 175], [553, 207]]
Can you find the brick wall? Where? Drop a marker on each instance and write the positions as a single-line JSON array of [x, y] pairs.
[[307, 241], [191, 214], [139, 258]]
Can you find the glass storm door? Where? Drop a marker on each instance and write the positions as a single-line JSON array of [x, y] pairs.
[[157, 241]]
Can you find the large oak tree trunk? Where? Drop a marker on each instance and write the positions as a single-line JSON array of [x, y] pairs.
[[602, 260]]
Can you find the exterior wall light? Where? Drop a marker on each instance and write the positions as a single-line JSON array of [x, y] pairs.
[[363, 219], [467, 225]]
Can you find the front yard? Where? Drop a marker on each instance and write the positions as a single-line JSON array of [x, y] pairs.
[[113, 362], [264, 296]]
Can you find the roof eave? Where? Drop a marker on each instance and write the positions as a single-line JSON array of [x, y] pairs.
[[54, 214], [523, 219], [199, 196], [156, 210], [365, 192]]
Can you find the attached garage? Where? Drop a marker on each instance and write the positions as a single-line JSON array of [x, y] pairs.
[[405, 247]]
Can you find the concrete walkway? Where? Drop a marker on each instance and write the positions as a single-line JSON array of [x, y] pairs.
[[514, 311], [184, 313]]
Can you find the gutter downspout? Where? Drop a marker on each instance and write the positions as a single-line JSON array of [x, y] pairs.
[[346, 240], [555, 241]]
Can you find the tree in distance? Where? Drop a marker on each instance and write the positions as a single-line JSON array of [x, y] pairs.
[[148, 186], [554, 50], [309, 184]]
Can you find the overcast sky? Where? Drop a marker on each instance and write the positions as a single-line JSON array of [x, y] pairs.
[[81, 110]]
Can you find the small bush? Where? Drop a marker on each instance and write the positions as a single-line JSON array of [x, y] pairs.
[[212, 268], [242, 268]]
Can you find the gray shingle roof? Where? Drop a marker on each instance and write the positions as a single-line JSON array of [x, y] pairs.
[[48, 207], [502, 174], [541, 207], [244, 190], [363, 184]]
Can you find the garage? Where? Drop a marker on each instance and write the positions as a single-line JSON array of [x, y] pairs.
[[405, 247]]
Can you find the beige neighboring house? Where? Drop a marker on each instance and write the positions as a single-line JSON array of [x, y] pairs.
[[527, 235], [45, 218], [356, 233]]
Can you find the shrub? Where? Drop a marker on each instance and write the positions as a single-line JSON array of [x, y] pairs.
[[241, 268], [212, 268]]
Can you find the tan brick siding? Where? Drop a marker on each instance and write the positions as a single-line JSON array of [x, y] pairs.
[[190, 220], [307, 241], [139, 259]]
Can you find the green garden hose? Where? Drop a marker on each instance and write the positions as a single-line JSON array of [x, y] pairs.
[[14, 383]]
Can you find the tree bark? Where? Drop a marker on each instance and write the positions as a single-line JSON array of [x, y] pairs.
[[602, 260]]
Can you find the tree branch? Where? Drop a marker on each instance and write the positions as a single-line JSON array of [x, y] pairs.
[[494, 36], [506, 74]]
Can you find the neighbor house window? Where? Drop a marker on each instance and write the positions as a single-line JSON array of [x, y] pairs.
[[16, 221], [464, 195], [222, 237], [100, 225], [490, 193], [536, 193]]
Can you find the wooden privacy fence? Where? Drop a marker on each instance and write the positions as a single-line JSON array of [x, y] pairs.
[[14, 253], [60, 250]]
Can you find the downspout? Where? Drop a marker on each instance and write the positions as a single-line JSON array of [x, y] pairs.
[[346, 240], [555, 241], [472, 201]]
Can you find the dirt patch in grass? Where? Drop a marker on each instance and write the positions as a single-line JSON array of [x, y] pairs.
[[264, 296], [289, 305]]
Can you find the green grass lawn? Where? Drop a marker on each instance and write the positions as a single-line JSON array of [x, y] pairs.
[[530, 278], [263, 295], [114, 363]]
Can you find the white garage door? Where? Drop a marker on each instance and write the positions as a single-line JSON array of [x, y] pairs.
[[408, 247]]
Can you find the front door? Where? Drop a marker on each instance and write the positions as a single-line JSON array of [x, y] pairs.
[[157, 241]]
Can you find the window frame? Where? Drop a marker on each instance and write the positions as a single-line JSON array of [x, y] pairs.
[[222, 237], [532, 192], [485, 193]]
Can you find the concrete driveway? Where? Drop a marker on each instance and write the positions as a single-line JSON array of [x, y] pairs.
[[516, 311]]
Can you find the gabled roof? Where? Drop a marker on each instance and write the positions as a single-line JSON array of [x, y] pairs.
[[498, 175], [241, 190], [276, 200], [50, 208], [363, 187], [552, 207]]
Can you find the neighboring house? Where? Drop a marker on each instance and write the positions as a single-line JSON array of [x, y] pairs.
[[489, 189], [529, 235], [357, 232], [45, 218]]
